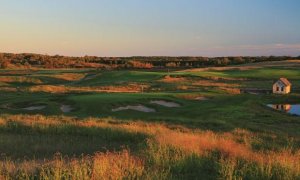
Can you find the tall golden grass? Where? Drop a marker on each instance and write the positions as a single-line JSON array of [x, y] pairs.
[[129, 88], [8, 89], [20, 79], [118, 165], [237, 158], [68, 76]]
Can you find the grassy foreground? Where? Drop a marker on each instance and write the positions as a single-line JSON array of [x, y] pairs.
[[159, 152]]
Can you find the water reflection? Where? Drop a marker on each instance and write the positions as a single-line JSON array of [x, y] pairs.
[[288, 108]]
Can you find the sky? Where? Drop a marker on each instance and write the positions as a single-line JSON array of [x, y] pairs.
[[151, 27]]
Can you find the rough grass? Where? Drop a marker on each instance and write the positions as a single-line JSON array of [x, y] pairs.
[[170, 79], [40, 137], [69, 76], [170, 152], [129, 88], [20, 79]]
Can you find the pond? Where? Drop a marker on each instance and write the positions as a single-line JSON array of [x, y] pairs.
[[293, 109]]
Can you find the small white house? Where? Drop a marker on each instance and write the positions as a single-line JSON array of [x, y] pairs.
[[282, 86]]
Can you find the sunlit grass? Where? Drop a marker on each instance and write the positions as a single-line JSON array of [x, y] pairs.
[[168, 152]]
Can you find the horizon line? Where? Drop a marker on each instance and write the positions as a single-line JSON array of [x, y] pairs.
[[78, 56]]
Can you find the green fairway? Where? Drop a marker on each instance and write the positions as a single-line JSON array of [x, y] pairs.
[[115, 77], [261, 73], [222, 111]]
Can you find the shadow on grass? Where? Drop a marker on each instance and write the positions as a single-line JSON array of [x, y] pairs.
[[19, 141], [195, 167]]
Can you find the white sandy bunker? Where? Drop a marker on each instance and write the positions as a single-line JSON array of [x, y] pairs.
[[168, 104], [34, 108], [140, 108], [66, 108]]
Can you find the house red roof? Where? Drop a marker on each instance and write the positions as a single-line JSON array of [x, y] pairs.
[[285, 81]]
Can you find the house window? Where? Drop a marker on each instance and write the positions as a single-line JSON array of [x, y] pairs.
[[282, 89], [277, 89]]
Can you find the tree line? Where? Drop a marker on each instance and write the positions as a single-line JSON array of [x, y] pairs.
[[28, 60]]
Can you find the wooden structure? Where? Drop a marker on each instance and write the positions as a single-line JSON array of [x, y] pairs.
[[282, 86]]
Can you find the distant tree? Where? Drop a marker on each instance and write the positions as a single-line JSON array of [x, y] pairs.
[[140, 65], [225, 61], [4, 63], [57, 61], [18, 65], [238, 60], [27, 65], [171, 65]]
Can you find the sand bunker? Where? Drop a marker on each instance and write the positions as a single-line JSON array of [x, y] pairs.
[[170, 79], [140, 108], [90, 76], [165, 103], [33, 108], [201, 98], [66, 108]]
